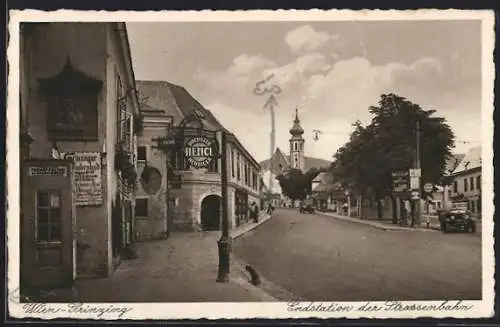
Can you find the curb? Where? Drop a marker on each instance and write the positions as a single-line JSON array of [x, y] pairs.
[[267, 290], [238, 233], [375, 225], [254, 290]]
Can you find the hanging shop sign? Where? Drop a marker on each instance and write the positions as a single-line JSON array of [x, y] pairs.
[[200, 151], [87, 177], [400, 183]]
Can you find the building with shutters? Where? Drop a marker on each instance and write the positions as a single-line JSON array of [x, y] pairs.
[[195, 200], [78, 109], [466, 181]]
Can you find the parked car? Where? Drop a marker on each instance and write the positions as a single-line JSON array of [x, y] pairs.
[[459, 220], [307, 206]]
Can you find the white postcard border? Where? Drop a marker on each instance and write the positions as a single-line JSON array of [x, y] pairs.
[[483, 308]]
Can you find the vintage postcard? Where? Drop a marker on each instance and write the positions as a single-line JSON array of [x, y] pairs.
[[250, 164]]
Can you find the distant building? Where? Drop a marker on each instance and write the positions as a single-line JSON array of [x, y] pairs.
[[328, 194], [466, 185], [195, 203], [440, 196], [297, 158], [280, 163]]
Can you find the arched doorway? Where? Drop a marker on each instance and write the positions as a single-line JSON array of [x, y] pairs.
[[210, 213]]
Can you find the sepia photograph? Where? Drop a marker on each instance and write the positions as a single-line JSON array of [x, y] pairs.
[[324, 164]]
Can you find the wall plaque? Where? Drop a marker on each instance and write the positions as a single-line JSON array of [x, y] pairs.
[[87, 177], [56, 171]]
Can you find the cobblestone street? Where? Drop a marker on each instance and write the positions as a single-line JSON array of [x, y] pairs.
[[322, 258], [182, 268]]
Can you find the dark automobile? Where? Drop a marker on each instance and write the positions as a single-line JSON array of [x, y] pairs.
[[459, 220], [307, 207]]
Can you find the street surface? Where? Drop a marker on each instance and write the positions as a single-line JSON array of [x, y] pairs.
[[320, 258]]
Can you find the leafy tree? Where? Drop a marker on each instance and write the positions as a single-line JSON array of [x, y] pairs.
[[365, 163], [295, 184]]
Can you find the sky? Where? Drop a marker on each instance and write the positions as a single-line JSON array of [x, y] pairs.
[[331, 72]]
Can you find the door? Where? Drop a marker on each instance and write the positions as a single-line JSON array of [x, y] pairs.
[[48, 232], [211, 213]]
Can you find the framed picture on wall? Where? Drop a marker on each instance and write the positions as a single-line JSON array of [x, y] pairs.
[[71, 104]]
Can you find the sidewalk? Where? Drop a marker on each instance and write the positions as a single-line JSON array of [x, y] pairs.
[[182, 268], [385, 225]]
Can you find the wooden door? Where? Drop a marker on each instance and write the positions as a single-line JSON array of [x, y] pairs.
[[48, 234]]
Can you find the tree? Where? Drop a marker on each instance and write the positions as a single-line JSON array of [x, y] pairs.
[[365, 163], [295, 184]]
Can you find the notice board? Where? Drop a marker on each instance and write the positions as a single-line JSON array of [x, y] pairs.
[[87, 177]]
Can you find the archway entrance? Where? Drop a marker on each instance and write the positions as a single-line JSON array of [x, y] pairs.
[[210, 213]]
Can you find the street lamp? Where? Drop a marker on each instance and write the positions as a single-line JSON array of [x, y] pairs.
[[223, 244]]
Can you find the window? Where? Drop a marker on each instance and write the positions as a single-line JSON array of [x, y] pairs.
[[295, 146], [48, 216], [232, 163], [471, 180], [141, 208], [466, 188], [246, 174], [142, 153], [473, 206], [178, 160], [455, 187], [478, 183], [214, 166], [478, 205], [238, 168], [199, 113]]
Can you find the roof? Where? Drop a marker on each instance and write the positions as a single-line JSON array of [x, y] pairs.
[[279, 158], [325, 188], [471, 160], [171, 99], [277, 163], [452, 162], [324, 178]]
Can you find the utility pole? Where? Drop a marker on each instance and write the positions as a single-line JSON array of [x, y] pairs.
[[416, 203], [263, 87], [224, 243]]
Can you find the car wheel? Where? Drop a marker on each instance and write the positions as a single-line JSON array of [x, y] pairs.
[[445, 228]]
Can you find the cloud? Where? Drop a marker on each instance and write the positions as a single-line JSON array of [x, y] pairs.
[[245, 64], [330, 95], [295, 71], [306, 38]]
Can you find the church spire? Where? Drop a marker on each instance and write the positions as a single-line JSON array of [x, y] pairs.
[[297, 159], [296, 129]]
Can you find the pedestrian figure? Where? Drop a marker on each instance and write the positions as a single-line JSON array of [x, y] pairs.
[[345, 207], [270, 209], [254, 212]]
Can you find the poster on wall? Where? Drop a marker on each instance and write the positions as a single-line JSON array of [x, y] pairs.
[[87, 175]]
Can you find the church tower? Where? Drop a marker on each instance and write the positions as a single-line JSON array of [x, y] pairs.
[[297, 160]]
